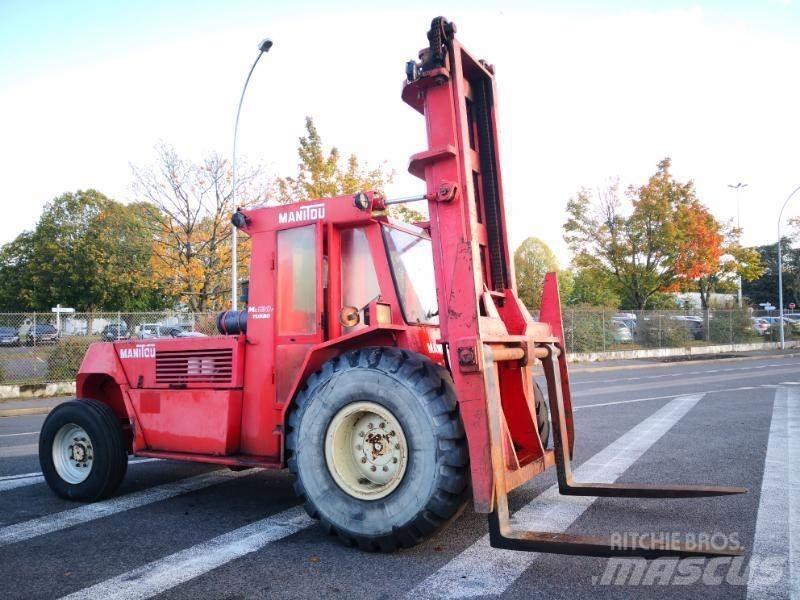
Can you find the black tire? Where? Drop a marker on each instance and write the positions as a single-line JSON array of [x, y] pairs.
[[420, 395], [110, 454], [542, 415]]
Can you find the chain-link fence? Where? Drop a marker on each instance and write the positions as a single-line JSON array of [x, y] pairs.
[[598, 330], [46, 347]]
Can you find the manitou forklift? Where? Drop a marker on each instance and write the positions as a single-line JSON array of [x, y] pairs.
[[389, 366]]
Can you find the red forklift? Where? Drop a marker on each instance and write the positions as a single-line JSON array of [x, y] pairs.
[[389, 366]]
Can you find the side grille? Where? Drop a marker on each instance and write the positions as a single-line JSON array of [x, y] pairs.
[[194, 366]]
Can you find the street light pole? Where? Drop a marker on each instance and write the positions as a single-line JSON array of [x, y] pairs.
[[737, 187], [263, 48], [780, 267]]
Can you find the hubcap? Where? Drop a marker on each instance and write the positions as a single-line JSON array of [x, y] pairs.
[[73, 453], [365, 449]]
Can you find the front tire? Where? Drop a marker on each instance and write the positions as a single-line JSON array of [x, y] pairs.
[[407, 476], [82, 450]]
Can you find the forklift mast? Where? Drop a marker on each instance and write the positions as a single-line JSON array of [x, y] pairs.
[[477, 295], [491, 339]]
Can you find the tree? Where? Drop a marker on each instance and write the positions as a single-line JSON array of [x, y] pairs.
[[87, 252], [645, 249], [533, 259], [592, 287], [322, 173], [734, 261], [765, 287], [190, 224]]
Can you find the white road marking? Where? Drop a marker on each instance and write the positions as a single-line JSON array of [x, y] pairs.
[[165, 573], [481, 570], [677, 374], [11, 482], [16, 434], [89, 512], [790, 383], [612, 403], [778, 522], [19, 450]]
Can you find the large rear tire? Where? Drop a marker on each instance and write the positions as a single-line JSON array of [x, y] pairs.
[[378, 448], [82, 450]]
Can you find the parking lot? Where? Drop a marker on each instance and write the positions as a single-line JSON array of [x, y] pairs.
[[189, 531]]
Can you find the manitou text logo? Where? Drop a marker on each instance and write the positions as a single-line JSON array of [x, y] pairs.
[[138, 351], [308, 212]]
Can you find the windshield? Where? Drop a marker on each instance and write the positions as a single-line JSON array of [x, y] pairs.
[[411, 259]]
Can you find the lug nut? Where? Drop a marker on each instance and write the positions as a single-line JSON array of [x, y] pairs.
[[397, 446], [363, 459], [383, 425], [385, 468], [394, 460], [360, 434], [373, 468], [371, 426]]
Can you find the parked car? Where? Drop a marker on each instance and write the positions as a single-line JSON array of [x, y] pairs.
[[620, 332], [42, 333], [190, 334], [9, 336], [159, 330], [693, 324], [760, 325], [115, 331], [788, 324]]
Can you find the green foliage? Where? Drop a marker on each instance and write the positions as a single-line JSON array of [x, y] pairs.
[[731, 327], [659, 331], [592, 287], [66, 357], [533, 259], [765, 287], [87, 252]]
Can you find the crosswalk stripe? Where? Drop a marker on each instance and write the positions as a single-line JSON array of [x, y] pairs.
[[481, 570], [19, 450], [777, 535], [98, 510], [165, 573], [11, 482]]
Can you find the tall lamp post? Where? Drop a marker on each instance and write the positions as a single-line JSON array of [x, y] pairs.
[[780, 267], [263, 48], [738, 187]]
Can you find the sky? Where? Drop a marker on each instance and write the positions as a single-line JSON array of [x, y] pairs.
[[589, 92]]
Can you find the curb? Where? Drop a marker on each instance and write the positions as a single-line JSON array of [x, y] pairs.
[[37, 390], [577, 368]]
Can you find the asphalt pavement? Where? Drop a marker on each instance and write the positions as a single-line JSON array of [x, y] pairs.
[[179, 530]]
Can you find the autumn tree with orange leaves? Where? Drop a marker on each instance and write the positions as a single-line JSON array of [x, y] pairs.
[[662, 239]]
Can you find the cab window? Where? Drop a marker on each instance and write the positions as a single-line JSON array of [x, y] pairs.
[[296, 281], [359, 279]]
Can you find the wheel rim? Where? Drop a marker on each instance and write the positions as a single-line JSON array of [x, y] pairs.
[[73, 453], [366, 451]]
